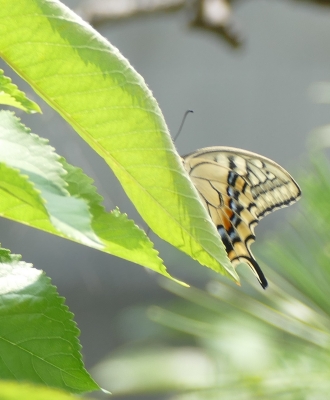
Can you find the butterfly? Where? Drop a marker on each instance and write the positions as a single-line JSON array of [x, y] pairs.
[[238, 188]]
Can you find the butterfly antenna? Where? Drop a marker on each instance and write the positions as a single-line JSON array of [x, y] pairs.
[[175, 137], [183, 119]]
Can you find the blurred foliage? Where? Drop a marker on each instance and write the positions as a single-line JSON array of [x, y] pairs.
[[231, 342], [215, 16]]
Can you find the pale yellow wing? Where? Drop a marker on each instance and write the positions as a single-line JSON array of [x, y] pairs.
[[238, 188]]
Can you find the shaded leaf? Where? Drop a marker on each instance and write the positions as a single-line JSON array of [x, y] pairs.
[[38, 337], [33, 157]]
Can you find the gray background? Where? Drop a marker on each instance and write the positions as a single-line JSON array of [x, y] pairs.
[[255, 98]]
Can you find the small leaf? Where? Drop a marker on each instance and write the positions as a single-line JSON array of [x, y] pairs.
[[120, 235], [15, 186], [38, 337], [35, 158], [11, 96]]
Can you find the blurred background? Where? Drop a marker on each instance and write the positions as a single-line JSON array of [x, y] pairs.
[[249, 79]]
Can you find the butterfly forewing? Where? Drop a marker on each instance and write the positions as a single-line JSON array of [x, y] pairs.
[[238, 188]]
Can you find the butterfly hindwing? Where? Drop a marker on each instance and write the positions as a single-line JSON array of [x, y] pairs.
[[238, 188]]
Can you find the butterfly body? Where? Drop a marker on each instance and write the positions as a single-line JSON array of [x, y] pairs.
[[238, 188]]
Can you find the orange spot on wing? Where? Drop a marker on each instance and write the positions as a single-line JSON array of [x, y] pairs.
[[227, 214]]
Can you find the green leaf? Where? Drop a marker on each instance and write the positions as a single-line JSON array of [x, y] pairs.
[[19, 200], [40, 189], [107, 102], [38, 337], [33, 157], [19, 391], [11, 96], [120, 235]]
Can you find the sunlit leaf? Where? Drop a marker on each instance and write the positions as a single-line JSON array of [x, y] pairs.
[[40, 189], [11, 96], [18, 391], [95, 89]]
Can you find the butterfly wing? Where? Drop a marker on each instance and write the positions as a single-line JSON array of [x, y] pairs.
[[238, 188]]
